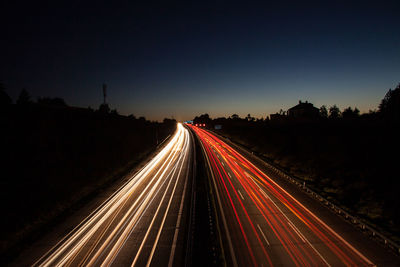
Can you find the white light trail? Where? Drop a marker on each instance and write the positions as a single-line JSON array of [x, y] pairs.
[[98, 239]]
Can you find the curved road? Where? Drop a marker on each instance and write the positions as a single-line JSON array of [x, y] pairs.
[[146, 221], [263, 224], [140, 223]]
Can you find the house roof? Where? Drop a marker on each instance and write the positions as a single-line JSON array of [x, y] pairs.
[[303, 105]]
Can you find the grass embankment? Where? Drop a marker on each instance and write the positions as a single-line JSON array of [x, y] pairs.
[[57, 158], [351, 162]]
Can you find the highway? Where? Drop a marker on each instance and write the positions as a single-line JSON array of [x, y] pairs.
[[142, 223], [261, 223]]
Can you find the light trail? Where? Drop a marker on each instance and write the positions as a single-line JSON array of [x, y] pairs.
[[101, 238], [290, 233]]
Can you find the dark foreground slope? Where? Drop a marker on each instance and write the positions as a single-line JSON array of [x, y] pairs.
[[55, 158]]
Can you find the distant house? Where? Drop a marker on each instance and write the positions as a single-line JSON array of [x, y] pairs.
[[277, 117], [303, 110]]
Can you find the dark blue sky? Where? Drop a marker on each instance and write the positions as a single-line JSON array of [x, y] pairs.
[[179, 59]]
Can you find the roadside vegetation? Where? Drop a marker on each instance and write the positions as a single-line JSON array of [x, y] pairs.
[[348, 157], [56, 157]]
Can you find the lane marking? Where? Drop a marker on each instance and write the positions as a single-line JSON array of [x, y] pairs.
[[103, 214], [178, 223], [313, 215], [265, 238], [179, 158], [240, 194], [297, 231], [228, 237], [105, 209], [168, 207], [132, 222], [294, 227]]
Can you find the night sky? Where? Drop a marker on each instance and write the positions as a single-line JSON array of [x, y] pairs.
[[180, 60]]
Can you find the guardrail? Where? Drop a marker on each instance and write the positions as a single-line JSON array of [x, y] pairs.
[[162, 142], [354, 220]]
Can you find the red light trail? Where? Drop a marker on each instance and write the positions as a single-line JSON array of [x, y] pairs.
[[265, 224]]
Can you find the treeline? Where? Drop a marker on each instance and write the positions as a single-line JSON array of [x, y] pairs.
[[348, 157], [55, 157], [324, 113]]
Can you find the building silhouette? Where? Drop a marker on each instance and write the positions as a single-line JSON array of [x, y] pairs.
[[303, 110]]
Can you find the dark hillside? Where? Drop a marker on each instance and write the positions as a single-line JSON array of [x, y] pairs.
[[53, 156]]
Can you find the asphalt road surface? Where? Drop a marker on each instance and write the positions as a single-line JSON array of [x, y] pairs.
[[261, 220], [262, 223], [141, 223]]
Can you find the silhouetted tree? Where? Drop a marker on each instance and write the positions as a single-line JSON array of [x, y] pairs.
[[24, 98], [235, 116], [334, 112], [323, 111], [204, 118], [249, 117], [349, 113], [114, 112], [384, 103], [169, 121], [52, 102], [104, 108], [5, 99], [390, 104]]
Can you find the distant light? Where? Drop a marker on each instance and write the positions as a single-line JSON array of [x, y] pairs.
[[204, 124]]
